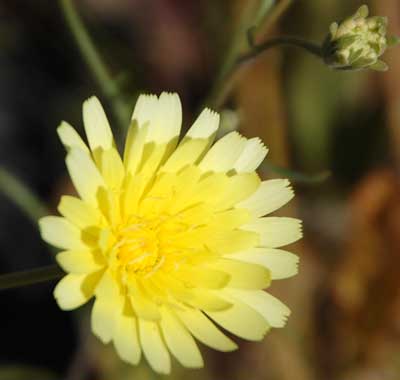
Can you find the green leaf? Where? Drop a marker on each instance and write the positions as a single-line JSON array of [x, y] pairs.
[[380, 66], [363, 11], [393, 41]]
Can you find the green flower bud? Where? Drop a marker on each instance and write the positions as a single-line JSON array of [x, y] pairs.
[[357, 42]]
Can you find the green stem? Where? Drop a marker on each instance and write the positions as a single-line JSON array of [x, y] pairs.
[[93, 59], [255, 51], [22, 196], [295, 176], [30, 277]]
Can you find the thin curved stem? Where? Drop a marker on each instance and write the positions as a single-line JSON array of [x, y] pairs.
[[30, 277], [97, 66], [255, 51], [22, 196], [277, 41]]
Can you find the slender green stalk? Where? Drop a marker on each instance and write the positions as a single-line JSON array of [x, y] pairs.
[[236, 44], [256, 50], [22, 196], [227, 82], [294, 176], [95, 63], [30, 277], [272, 17]]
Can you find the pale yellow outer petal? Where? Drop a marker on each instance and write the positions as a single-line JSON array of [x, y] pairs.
[[244, 275], [204, 330], [251, 157], [164, 116], [153, 346], [97, 128], [205, 126], [281, 264], [112, 168], [179, 341], [126, 340], [239, 187], [60, 233], [187, 153], [78, 212], [202, 277], [224, 153], [70, 137], [134, 146], [107, 306], [273, 310], [74, 290], [276, 232], [269, 197], [167, 120], [141, 303], [195, 143], [80, 262], [241, 320], [84, 175], [145, 109]]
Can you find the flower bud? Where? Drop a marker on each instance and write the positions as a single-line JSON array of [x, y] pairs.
[[357, 42]]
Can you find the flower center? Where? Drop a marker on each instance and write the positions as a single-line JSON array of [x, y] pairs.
[[138, 248]]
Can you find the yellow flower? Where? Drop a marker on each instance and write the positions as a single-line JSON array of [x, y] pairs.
[[170, 240]]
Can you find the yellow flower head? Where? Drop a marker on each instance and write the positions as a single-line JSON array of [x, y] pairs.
[[170, 240]]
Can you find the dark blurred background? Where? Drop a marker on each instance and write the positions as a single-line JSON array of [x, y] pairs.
[[345, 302]]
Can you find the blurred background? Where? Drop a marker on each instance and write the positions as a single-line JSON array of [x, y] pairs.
[[336, 134]]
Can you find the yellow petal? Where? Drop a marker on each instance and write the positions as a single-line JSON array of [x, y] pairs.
[[251, 157], [154, 155], [145, 109], [276, 232], [78, 212], [60, 233], [269, 197], [97, 128], [132, 195], [106, 308], [75, 289], [224, 153], [187, 153], [244, 275], [70, 137], [241, 320], [167, 119], [280, 263], [142, 304], [202, 277], [126, 340], [273, 310], [153, 347], [204, 330], [223, 242], [198, 298], [112, 168], [229, 220], [84, 175], [134, 146], [238, 187], [80, 262], [179, 341], [164, 116], [196, 142], [205, 126]]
